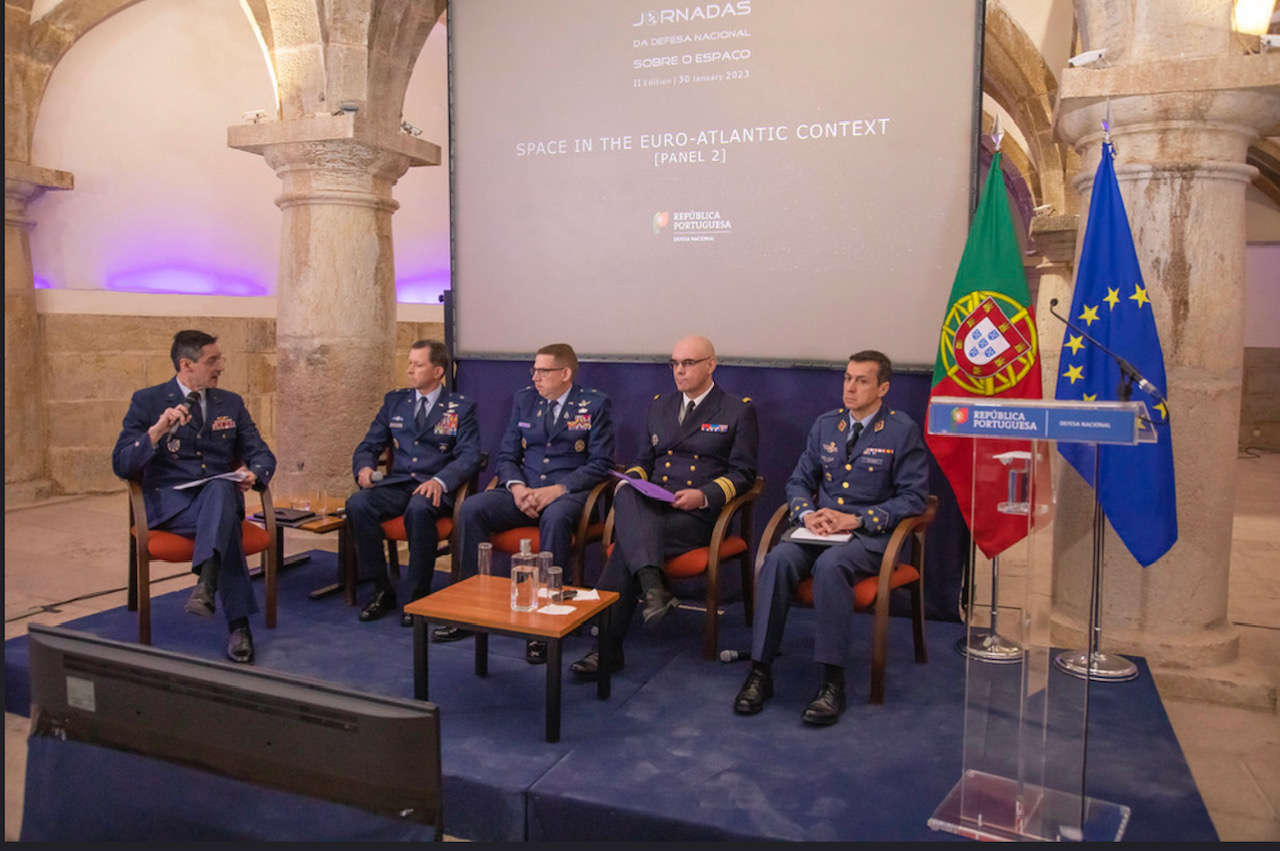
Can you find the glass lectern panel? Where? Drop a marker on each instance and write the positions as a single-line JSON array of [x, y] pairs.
[[1025, 724]]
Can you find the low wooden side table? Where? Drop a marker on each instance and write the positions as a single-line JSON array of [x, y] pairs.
[[483, 604]]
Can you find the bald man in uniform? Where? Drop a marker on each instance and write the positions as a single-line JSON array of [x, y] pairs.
[[699, 444]]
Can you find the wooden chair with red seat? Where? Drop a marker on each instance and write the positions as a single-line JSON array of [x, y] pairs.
[[590, 530], [706, 561], [446, 531], [873, 591], [146, 545]]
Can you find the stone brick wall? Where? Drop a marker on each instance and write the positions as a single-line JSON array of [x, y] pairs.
[[1260, 399], [93, 364]]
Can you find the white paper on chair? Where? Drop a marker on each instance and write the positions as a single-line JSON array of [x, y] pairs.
[[234, 476], [801, 535]]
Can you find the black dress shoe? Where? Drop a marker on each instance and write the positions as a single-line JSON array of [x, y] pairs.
[[240, 646], [201, 601], [657, 602], [535, 652], [406, 619], [588, 667], [382, 603], [450, 633], [755, 691], [826, 706]]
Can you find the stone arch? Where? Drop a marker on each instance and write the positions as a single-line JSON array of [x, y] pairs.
[[1015, 75]]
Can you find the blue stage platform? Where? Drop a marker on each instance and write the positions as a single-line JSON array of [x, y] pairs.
[[666, 757]]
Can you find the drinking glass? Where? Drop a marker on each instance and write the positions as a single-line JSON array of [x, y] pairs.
[[484, 559], [554, 583], [524, 587]]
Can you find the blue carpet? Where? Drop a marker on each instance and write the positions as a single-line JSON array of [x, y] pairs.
[[666, 757]]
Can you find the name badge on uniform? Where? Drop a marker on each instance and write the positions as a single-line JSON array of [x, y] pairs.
[[396, 422], [873, 462], [714, 427], [222, 423], [524, 425], [448, 424]]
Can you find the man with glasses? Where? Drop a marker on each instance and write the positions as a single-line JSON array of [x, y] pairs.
[[558, 446], [434, 439], [188, 429], [699, 444]]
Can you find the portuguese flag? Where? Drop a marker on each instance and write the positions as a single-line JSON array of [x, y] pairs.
[[988, 348]]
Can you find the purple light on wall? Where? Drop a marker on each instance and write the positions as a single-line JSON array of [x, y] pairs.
[[423, 289], [178, 279], [40, 283]]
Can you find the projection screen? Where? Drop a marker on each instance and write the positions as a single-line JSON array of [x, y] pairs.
[[791, 178]]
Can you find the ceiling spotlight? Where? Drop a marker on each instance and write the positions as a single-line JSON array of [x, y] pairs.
[[1043, 209], [255, 115], [347, 106], [410, 129]]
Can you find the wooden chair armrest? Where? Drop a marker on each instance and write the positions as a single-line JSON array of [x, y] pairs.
[[138, 509], [603, 491], [772, 532], [906, 527]]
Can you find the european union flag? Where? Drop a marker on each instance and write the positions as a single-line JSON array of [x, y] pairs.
[[1135, 483]]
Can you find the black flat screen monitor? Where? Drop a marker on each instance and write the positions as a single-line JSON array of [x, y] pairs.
[[380, 754]]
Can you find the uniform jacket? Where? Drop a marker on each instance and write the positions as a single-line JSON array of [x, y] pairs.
[[576, 451], [447, 449], [227, 438], [886, 479], [713, 451]]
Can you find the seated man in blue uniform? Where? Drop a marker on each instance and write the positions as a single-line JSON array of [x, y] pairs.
[[434, 440], [558, 446], [699, 444], [187, 429], [863, 469]]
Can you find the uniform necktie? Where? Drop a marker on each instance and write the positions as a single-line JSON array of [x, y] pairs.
[[853, 438], [553, 411], [687, 412], [421, 417], [197, 414]]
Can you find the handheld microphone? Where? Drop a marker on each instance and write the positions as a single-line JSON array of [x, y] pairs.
[[734, 655], [1127, 369], [193, 399], [376, 476]]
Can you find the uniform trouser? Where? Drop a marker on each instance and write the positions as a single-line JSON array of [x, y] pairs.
[[834, 570], [369, 507], [646, 533], [485, 513], [214, 518]]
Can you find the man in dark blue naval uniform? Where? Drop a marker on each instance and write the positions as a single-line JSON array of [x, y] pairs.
[[863, 469], [188, 429], [558, 446], [699, 444], [435, 445]]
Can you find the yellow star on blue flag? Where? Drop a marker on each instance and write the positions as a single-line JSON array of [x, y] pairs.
[[1135, 484]]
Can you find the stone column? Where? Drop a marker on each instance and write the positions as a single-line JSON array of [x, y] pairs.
[[335, 325], [1181, 127], [25, 433], [1055, 239]]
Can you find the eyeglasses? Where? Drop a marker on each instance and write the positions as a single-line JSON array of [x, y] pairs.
[[220, 360], [535, 371], [687, 363]]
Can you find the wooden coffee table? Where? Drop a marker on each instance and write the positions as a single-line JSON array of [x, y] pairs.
[[483, 604]]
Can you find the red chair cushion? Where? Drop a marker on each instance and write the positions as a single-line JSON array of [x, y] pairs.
[[864, 590], [393, 529], [509, 541], [166, 546], [694, 562]]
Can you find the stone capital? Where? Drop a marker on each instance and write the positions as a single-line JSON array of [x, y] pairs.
[[23, 183], [1177, 111], [334, 159], [1055, 237]]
